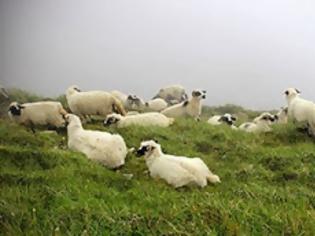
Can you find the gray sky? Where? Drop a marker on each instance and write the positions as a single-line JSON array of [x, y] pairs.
[[244, 52]]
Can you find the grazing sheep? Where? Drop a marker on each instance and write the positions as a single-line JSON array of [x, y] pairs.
[[175, 170], [192, 107], [300, 110], [3, 92], [282, 116], [38, 113], [93, 102], [227, 119], [105, 148], [260, 124], [172, 94], [157, 105], [144, 119]]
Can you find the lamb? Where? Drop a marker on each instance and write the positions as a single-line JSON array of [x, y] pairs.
[[300, 110], [108, 149], [144, 119], [260, 124], [175, 170], [3, 92], [282, 116], [192, 107], [38, 113], [93, 102], [172, 94], [225, 119]]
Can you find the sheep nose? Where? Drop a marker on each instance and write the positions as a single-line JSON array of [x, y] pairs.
[[140, 153]]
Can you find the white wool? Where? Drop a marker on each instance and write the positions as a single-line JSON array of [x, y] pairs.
[[105, 148], [144, 119], [157, 105], [282, 116], [173, 94], [261, 123], [39, 113], [227, 119], [119, 95], [192, 108], [92, 102], [177, 171]]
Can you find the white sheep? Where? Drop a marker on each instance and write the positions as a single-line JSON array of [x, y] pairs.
[[134, 103], [119, 95], [93, 102], [192, 107], [144, 119], [175, 170], [157, 104], [300, 110], [173, 94], [282, 116], [227, 119], [261, 123], [38, 113], [108, 149]]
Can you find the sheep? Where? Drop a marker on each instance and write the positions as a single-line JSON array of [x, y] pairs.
[[107, 149], [4, 92], [119, 95], [172, 94], [192, 107], [92, 103], [177, 171], [144, 119], [282, 116], [260, 124], [157, 104], [38, 113], [225, 119], [134, 103], [300, 110]]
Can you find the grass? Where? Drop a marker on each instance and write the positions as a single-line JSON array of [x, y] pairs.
[[267, 187]]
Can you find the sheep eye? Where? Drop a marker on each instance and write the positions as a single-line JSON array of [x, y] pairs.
[[286, 92]]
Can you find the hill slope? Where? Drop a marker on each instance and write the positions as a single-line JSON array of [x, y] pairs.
[[267, 185]]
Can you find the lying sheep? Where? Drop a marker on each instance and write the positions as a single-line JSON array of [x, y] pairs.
[[172, 94], [93, 103], [300, 110], [192, 107], [144, 119], [260, 124], [105, 148], [175, 170], [157, 104], [38, 113], [282, 116], [227, 119]]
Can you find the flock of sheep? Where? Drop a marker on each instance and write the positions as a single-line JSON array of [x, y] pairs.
[[122, 110]]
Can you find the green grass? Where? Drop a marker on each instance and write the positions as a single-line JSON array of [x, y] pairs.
[[267, 188]]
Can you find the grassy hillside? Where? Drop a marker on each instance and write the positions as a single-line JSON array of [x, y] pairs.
[[267, 187]]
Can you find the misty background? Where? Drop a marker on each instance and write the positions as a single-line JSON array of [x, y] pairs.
[[244, 52]]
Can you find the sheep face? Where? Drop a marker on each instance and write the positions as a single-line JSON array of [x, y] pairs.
[[134, 102], [199, 94], [266, 118], [147, 148], [15, 109], [228, 119], [72, 119], [112, 119], [73, 89], [291, 92]]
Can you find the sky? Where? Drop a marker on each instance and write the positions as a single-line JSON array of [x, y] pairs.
[[245, 52]]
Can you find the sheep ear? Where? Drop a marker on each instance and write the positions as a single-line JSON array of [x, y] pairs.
[[298, 91], [156, 141], [204, 91], [185, 103]]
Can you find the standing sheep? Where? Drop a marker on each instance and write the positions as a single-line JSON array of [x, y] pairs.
[[192, 107], [300, 110], [105, 148], [144, 119], [93, 102], [172, 94], [282, 116], [175, 170], [38, 113]]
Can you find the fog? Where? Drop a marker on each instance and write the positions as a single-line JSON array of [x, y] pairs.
[[244, 52]]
